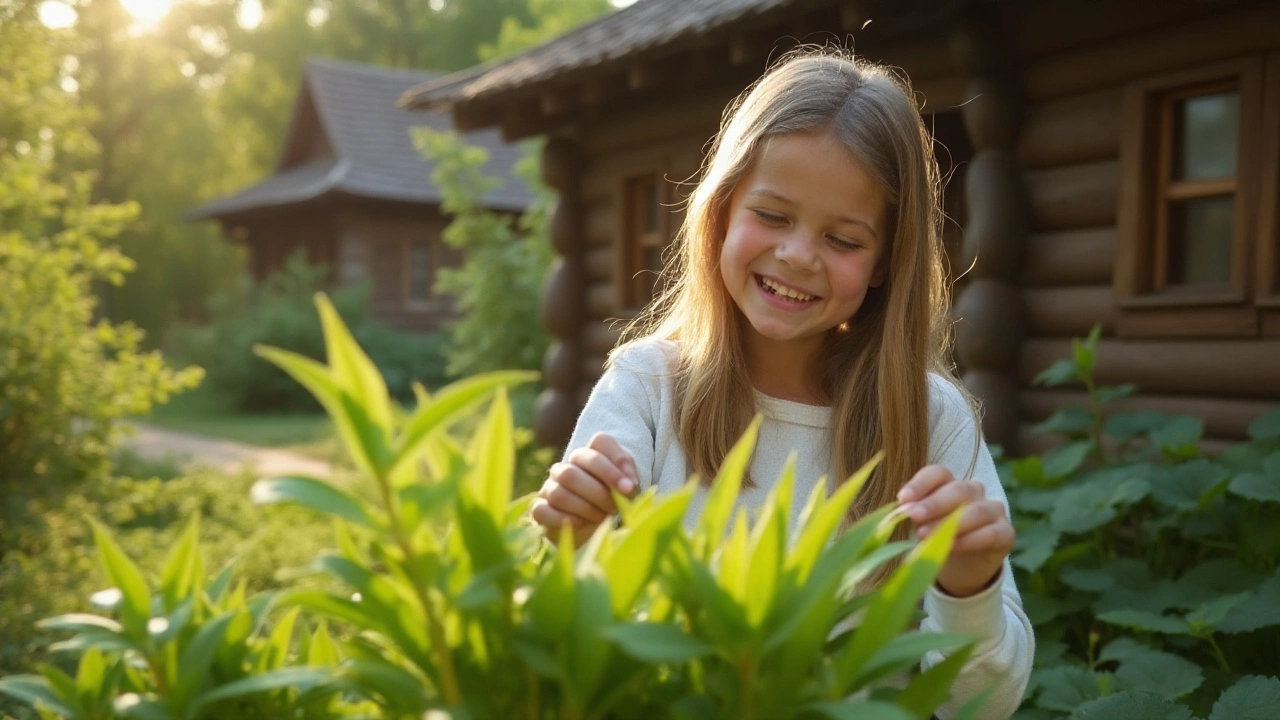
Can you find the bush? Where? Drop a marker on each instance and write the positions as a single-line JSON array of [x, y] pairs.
[[453, 605], [279, 311], [1150, 570]]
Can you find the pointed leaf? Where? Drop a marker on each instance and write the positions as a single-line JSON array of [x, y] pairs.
[[33, 690], [322, 650], [657, 642], [135, 609], [352, 367], [197, 658], [826, 517], [931, 688], [492, 459], [300, 677], [314, 494], [179, 575], [719, 504]]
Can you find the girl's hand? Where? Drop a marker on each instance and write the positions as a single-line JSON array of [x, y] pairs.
[[577, 490], [983, 539]]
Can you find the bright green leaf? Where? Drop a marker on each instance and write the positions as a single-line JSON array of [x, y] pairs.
[[136, 608], [932, 687], [321, 649], [352, 368], [657, 642], [718, 507], [183, 568], [314, 494], [33, 690], [492, 457], [299, 677]]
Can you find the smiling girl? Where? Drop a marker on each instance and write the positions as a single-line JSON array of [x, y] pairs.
[[808, 287]]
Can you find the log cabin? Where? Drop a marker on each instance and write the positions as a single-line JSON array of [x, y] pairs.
[[352, 192], [1109, 161]]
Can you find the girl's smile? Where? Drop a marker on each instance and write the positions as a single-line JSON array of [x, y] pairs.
[[804, 241]]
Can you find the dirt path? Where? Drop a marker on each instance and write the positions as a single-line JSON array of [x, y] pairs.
[[190, 450]]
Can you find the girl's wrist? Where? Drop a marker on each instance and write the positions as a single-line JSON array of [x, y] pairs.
[[961, 591]]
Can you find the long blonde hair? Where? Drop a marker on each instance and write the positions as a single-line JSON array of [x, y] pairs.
[[876, 381]]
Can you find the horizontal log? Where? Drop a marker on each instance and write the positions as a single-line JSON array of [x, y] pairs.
[[1076, 130], [1075, 196], [599, 262], [600, 224], [1040, 28], [592, 369], [599, 337], [1068, 311], [1223, 417], [1070, 257], [1107, 64], [1236, 368], [602, 300]]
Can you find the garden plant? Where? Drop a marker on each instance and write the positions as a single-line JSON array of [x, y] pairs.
[[442, 600], [1150, 569]]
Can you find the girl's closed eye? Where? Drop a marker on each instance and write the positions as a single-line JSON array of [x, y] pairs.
[[769, 218], [843, 244]]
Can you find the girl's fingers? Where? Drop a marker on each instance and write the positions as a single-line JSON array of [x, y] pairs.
[[924, 483], [942, 500], [551, 519], [995, 538], [576, 480], [567, 501], [625, 479], [975, 515]]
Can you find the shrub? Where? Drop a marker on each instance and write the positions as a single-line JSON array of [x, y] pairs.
[[278, 311], [1150, 570], [453, 605]]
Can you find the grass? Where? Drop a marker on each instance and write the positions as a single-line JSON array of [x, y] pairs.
[[200, 412]]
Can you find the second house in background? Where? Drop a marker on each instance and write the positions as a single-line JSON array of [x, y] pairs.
[[352, 192]]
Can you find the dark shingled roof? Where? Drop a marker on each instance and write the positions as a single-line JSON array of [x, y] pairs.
[[374, 156], [642, 26]]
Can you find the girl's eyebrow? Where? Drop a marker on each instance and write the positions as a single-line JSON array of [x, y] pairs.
[[774, 195]]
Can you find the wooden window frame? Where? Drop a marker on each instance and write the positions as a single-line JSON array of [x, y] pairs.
[[632, 271], [1146, 308], [406, 286], [1268, 278]]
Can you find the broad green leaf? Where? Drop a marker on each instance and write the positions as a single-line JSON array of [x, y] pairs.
[[1131, 706], [1127, 425], [352, 368], [326, 605], [492, 457], [1181, 431], [657, 642], [1252, 698], [64, 686], [1122, 649], [301, 677], [1262, 486], [183, 568], [197, 658], [1214, 611], [858, 710], [1060, 372], [1089, 505], [92, 680], [33, 690], [1109, 394], [1166, 675], [586, 649], [1034, 545], [447, 405], [1145, 620], [77, 622], [135, 707], [1258, 611], [718, 508], [1189, 486], [401, 690], [1066, 421], [135, 609], [1266, 427], [550, 605], [896, 599], [1066, 688], [932, 687], [1067, 459], [314, 494]]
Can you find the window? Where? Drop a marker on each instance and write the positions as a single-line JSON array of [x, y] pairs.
[[644, 238], [1190, 227], [353, 260], [418, 268]]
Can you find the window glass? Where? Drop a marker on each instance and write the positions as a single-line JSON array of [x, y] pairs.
[[1200, 234], [1207, 136], [352, 261], [419, 271]]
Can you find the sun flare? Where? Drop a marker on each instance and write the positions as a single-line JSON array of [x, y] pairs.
[[147, 13]]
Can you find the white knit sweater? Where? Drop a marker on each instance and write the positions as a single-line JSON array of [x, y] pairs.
[[633, 400]]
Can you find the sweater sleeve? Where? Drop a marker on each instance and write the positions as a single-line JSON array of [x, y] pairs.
[[1001, 661], [624, 404]]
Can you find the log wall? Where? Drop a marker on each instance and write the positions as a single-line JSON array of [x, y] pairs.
[[1069, 151]]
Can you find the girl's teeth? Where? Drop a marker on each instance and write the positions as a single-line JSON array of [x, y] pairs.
[[785, 292]]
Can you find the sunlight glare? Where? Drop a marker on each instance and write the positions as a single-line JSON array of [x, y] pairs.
[[249, 14], [147, 13], [56, 15]]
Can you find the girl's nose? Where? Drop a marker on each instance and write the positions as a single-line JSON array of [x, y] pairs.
[[796, 250]]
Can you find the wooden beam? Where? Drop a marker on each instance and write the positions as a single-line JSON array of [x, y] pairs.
[[1228, 368], [1075, 196], [1077, 130], [1070, 257], [470, 116], [559, 99], [1069, 311]]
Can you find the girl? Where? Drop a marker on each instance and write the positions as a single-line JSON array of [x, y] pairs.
[[808, 286]]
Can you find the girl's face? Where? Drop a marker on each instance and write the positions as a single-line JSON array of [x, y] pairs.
[[805, 239]]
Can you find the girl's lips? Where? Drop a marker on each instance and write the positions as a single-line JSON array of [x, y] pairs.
[[780, 302]]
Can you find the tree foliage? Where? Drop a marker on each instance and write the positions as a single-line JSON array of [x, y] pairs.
[[63, 377]]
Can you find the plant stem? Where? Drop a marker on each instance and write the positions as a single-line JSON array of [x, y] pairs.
[[1217, 652], [747, 674], [534, 696]]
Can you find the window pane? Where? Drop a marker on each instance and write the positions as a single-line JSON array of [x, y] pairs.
[[1200, 240], [352, 261], [419, 271], [1207, 136]]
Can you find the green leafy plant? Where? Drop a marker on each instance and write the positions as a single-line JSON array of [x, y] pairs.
[[1150, 569], [446, 601]]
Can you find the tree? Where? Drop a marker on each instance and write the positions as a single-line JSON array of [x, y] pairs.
[[550, 18]]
